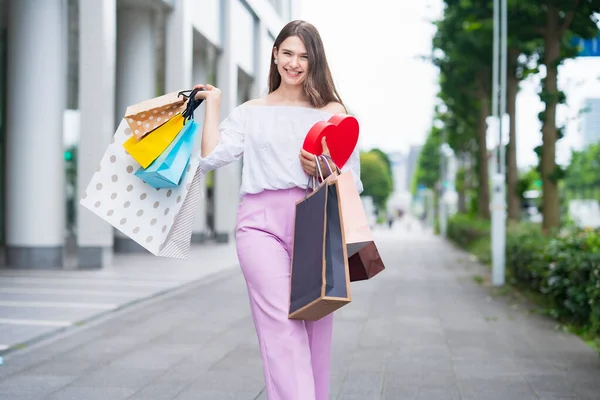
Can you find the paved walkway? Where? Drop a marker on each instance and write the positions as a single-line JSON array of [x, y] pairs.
[[421, 330], [37, 304]]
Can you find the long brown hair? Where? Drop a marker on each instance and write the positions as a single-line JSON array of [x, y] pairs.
[[318, 85]]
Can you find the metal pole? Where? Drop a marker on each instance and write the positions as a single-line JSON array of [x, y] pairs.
[[495, 65], [503, 66], [498, 198], [442, 216]]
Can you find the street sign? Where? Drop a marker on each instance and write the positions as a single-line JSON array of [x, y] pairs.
[[587, 47]]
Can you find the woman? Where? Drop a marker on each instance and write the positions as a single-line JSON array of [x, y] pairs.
[[269, 133]]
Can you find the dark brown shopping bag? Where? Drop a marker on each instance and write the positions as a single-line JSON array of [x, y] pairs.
[[320, 279], [364, 260]]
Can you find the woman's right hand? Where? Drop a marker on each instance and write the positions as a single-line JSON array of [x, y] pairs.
[[208, 93]]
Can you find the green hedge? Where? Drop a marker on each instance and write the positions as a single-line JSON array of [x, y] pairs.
[[471, 234], [562, 271], [572, 278], [525, 255]]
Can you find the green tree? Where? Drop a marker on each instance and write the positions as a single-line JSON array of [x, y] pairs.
[[461, 189], [556, 21], [582, 172], [427, 172], [376, 179], [384, 157], [462, 52], [522, 55], [468, 29], [386, 160], [539, 33]]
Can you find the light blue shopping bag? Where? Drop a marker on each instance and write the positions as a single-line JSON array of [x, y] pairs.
[[168, 169]]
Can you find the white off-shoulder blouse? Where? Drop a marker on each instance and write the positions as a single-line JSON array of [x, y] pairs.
[[269, 138]]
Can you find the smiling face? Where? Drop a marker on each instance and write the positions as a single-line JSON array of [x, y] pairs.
[[292, 60], [300, 55]]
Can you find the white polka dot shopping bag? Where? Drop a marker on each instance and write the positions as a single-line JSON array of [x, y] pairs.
[[160, 220]]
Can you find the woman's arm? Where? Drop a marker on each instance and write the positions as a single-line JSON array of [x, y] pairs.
[[210, 131], [222, 142]]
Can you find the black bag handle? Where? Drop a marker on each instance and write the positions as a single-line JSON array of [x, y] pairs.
[[182, 93], [192, 103]]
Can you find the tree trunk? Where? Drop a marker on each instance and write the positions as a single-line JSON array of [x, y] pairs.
[[461, 185], [462, 201], [484, 191], [550, 203], [512, 173]]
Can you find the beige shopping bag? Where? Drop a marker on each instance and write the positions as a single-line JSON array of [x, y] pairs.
[[148, 115], [364, 260]]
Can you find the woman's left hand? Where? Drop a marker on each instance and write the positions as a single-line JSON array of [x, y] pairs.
[[309, 165]]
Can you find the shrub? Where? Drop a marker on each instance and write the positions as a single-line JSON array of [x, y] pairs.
[[563, 270], [465, 230], [572, 281], [525, 259], [472, 234]]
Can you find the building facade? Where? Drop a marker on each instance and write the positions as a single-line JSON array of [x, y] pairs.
[[590, 122], [400, 197], [399, 161], [69, 69], [411, 163]]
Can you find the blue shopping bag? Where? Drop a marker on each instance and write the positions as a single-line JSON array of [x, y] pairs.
[[168, 169]]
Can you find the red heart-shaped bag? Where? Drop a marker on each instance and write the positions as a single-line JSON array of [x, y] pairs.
[[341, 132]]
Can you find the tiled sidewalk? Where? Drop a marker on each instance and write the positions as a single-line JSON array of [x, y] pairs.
[[423, 329], [36, 304]]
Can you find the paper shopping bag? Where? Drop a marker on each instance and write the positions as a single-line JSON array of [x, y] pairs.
[[160, 220], [364, 259], [167, 170], [151, 146], [148, 115], [320, 281]]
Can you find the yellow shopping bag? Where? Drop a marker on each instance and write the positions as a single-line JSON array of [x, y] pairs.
[[147, 149]]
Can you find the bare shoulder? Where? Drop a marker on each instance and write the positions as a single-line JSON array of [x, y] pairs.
[[256, 102], [335, 108]]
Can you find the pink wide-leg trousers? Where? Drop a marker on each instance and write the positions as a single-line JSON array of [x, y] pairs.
[[295, 354]]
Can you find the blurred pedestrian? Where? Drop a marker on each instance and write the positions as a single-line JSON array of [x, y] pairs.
[[390, 219], [269, 133]]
